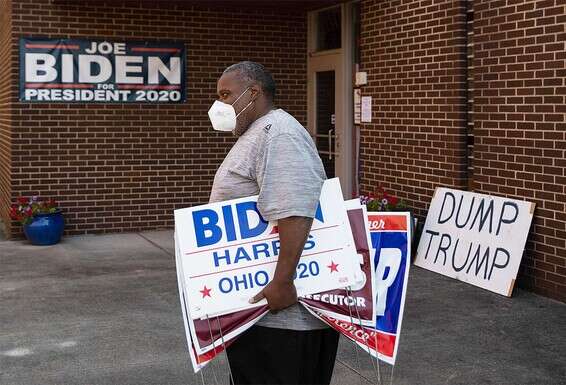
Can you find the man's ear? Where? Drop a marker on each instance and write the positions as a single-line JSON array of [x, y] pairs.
[[256, 91]]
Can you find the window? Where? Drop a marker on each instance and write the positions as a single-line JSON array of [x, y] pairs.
[[329, 27]]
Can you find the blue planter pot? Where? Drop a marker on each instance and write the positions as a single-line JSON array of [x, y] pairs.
[[45, 229]]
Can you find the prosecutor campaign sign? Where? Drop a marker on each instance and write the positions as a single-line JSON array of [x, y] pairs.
[[475, 238], [390, 235], [357, 302], [228, 252], [68, 70], [391, 243]]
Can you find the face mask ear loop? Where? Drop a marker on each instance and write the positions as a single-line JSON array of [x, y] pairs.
[[249, 104], [242, 94]]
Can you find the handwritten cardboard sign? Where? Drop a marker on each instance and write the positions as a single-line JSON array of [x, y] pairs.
[[475, 238]]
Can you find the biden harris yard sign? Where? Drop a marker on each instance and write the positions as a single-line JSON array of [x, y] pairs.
[[228, 252], [475, 238], [206, 338], [70, 70]]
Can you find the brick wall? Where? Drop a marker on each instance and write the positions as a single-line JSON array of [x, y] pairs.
[[125, 167], [520, 131], [6, 87], [414, 52]]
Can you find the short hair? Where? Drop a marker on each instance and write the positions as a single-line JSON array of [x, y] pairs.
[[250, 71]]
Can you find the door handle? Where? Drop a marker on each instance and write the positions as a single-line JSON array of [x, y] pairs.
[[330, 149]]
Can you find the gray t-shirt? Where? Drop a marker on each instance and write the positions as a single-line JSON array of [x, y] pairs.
[[277, 160]]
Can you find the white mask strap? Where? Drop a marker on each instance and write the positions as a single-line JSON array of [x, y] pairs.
[[238, 98], [249, 104], [242, 94]]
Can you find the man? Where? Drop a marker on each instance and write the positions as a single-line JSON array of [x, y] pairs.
[[274, 157]]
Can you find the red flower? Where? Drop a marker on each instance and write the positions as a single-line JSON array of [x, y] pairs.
[[25, 208], [393, 200], [14, 212]]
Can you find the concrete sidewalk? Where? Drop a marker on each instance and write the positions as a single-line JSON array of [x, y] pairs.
[[105, 310]]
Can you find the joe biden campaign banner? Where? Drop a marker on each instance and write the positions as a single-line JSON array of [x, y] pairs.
[[93, 71]]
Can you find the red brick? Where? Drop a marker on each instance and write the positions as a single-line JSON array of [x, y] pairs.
[[445, 73], [540, 97], [148, 160], [130, 140]]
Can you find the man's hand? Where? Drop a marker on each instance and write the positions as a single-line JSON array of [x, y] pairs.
[[281, 292], [279, 295]]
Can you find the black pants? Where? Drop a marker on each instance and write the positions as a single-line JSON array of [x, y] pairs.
[[277, 356]]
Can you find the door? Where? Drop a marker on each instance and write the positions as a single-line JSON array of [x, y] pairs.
[[329, 92], [326, 112]]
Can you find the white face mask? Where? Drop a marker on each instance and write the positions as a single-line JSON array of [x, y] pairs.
[[223, 116]]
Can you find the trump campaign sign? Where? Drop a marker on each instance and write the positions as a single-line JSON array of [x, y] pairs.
[[70, 70], [228, 252], [475, 238]]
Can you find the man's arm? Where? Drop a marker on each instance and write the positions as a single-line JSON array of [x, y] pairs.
[[281, 292]]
